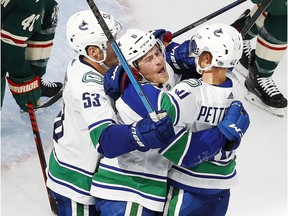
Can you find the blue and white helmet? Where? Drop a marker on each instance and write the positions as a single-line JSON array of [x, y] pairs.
[[223, 41]]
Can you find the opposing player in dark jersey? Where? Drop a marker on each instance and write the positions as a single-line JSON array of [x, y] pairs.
[[27, 33]]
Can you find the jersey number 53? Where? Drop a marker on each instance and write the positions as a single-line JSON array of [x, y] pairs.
[[90, 99]]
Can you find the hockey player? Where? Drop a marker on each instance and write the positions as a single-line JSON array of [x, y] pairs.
[[87, 119], [271, 33], [27, 33], [204, 189], [211, 116], [136, 182]]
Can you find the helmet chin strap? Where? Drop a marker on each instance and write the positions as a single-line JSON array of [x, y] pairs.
[[101, 62], [144, 80], [199, 69], [103, 65]]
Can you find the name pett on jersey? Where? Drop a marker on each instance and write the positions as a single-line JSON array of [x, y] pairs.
[[202, 106], [87, 110]]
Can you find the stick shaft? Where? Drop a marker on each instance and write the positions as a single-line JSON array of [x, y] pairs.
[[121, 58], [208, 17], [255, 16], [51, 100], [41, 154]]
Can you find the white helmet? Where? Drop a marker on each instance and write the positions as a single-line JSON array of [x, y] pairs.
[[135, 43], [83, 29], [223, 42]]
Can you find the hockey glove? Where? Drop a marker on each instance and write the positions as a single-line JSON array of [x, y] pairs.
[[163, 35], [25, 90], [147, 134], [115, 80], [234, 125]]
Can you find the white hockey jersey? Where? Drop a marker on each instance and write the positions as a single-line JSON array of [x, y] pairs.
[[202, 106], [87, 110], [139, 177]]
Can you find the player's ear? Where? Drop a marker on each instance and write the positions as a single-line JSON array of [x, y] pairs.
[[208, 58], [205, 58], [95, 52]]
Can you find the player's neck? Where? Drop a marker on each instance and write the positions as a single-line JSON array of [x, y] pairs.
[[95, 65], [215, 76]]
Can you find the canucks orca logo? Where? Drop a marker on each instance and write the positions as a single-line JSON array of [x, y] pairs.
[[193, 82], [92, 77], [83, 25], [218, 32]]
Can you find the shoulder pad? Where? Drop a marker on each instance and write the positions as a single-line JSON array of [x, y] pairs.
[[92, 77], [192, 82]]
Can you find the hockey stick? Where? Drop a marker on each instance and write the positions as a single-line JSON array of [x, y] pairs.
[[122, 60], [210, 16], [41, 154], [50, 101], [255, 16]]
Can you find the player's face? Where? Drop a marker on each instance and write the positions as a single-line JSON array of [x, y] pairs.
[[111, 59], [152, 66]]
